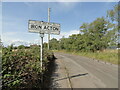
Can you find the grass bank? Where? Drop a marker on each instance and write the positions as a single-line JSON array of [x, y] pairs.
[[110, 56]]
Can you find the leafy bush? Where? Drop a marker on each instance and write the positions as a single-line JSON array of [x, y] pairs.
[[21, 67]]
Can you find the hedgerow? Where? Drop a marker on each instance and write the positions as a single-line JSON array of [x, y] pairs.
[[21, 67]]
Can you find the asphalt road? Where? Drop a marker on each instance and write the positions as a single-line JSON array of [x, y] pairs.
[[81, 72]]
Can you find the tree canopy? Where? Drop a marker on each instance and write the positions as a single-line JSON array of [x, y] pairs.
[[97, 35]]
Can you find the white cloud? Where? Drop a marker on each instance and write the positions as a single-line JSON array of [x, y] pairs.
[[9, 33], [8, 38], [17, 42], [65, 34]]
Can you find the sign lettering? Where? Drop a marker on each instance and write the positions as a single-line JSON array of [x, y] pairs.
[[44, 27]]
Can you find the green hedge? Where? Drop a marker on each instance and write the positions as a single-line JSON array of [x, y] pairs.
[[21, 67]]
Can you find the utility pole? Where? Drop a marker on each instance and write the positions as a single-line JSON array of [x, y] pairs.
[[49, 30]]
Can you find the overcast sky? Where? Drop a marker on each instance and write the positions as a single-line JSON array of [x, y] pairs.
[[70, 15]]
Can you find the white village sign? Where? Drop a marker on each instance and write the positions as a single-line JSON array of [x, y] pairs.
[[43, 27]]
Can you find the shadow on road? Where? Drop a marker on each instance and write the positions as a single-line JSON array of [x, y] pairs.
[[52, 66], [72, 76]]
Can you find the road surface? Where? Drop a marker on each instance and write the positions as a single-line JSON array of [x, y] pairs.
[[73, 71]]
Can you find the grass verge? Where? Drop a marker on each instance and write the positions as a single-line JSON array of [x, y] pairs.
[[110, 56]]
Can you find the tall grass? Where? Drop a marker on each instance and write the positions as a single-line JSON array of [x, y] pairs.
[[106, 55]]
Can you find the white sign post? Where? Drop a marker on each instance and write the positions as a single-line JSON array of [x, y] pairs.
[[41, 49], [43, 28]]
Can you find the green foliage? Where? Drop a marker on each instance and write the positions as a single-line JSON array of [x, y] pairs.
[[21, 47], [108, 55], [113, 14], [118, 45], [54, 44], [45, 45], [96, 36], [21, 67]]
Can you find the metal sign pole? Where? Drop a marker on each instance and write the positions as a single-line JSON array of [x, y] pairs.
[[41, 49]]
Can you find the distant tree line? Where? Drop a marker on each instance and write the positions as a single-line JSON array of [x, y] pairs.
[[97, 35]]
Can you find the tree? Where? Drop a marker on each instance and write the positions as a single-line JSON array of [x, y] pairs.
[[54, 44], [21, 47], [45, 45], [84, 28], [113, 15], [96, 35], [0, 44]]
